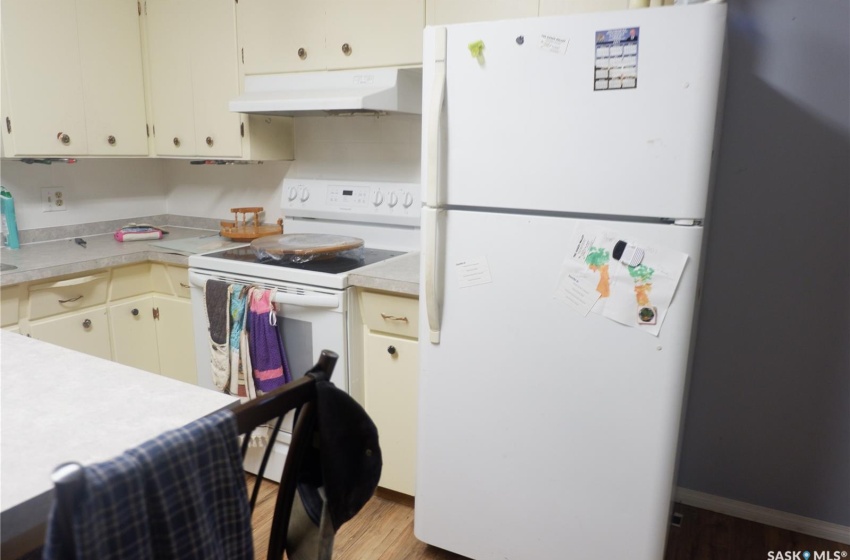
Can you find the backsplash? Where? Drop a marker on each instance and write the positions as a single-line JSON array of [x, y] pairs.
[[94, 190], [364, 148]]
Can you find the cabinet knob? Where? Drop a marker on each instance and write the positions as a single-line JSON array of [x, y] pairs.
[[210, 141], [87, 324], [391, 350], [64, 138], [176, 141], [135, 312], [110, 140], [346, 49], [302, 53]]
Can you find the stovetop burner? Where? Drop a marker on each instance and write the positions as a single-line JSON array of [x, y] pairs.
[[333, 265]]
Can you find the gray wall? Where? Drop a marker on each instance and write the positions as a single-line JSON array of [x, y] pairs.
[[768, 417]]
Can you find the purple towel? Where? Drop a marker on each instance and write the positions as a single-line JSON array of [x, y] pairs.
[[268, 357]]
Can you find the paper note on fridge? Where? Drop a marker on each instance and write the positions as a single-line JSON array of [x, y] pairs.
[[637, 296], [578, 291], [472, 272]]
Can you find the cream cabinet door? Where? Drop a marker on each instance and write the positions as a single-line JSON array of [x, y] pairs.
[[85, 331], [133, 329], [391, 373], [281, 35], [113, 87], [41, 61], [176, 339], [444, 12], [169, 39], [215, 77], [369, 33]]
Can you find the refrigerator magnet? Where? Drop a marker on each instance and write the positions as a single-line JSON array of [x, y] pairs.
[[616, 59], [627, 254], [647, 315]]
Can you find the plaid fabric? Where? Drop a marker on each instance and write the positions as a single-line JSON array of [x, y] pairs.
[[179, 496]]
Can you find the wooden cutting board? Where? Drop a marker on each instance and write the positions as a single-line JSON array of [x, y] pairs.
[[305, 244]]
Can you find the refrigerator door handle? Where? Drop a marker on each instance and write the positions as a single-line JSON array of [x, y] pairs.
[[435, 119], [429, 233]]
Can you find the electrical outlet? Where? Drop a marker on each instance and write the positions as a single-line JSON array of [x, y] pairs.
[[53, 199]]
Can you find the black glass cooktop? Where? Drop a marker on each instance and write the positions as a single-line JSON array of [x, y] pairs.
[[346, 262]]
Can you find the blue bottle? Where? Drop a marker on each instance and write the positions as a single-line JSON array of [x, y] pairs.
[[8, 207]]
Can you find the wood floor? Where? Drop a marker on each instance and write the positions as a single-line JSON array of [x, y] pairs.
[[383, 530]]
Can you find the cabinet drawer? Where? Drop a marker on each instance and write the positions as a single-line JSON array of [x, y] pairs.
[[66, 295], [390, 314], [180, 281], [129, 281]]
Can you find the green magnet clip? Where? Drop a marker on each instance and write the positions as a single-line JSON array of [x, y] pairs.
[[477, 51]]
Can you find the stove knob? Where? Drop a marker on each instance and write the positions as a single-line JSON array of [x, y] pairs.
[[378, 198], [393, 200], [305, 194], [293, 193], [408, 200]]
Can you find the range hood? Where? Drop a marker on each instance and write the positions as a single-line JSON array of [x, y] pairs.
[[371, 91]]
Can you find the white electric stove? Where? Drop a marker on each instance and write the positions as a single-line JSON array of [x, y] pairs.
[[313, 297]]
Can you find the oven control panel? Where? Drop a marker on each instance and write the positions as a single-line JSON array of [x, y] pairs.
[[359, 201]]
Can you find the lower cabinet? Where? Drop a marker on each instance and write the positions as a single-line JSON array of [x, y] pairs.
[[391, 387], [138, 315], [175, 339], [134, 337], [154, 333], [390, 371], [86, 331]]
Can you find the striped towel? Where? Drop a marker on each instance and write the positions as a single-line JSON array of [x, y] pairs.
[[268, 356]]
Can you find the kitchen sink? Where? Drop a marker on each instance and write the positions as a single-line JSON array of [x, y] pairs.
[[6, 267]]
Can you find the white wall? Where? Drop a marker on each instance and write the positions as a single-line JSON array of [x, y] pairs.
[[356, 148], [95, 190]]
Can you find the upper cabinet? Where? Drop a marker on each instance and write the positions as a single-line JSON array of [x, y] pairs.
[[193, 66], [74, 82], [290, 36]]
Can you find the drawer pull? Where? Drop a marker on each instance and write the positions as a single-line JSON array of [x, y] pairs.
[[87, 324], [135, 312], [69, 300], [185, 286], [386, 317], [391, 350]]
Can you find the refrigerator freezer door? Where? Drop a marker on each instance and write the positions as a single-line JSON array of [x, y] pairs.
[[542, 431], [526, 128]]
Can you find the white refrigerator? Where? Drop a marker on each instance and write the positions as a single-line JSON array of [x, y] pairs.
[[566, 171]]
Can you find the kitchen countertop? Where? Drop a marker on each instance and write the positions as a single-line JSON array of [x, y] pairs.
[[398, 275], [90, 411], [48, 259]]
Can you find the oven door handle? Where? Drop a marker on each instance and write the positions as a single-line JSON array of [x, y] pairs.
[[301, 300]]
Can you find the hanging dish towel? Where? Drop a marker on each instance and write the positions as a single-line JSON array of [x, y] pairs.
[[216, 304], [240, 360], [268, 356]]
